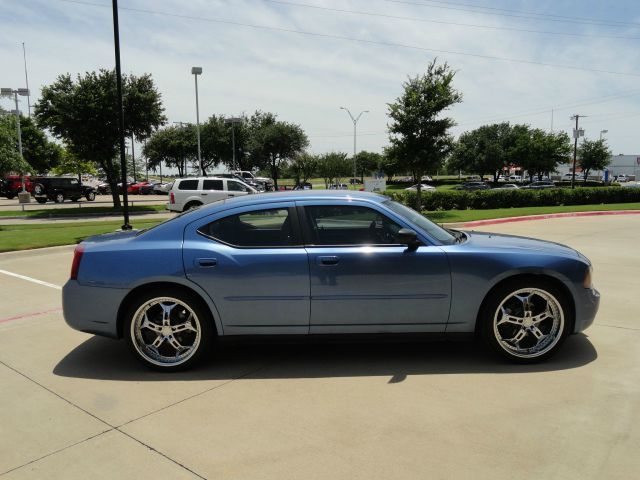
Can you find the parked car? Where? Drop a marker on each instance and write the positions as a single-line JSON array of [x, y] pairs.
[[267, 183], [515, 178], [58, 189], [473, 178], [11, 185], [540, 185], [103, 188], [338, 186], [148, 188], [355, 181], [426, 178], [134, 188], [472, 186], [507, 186], [319, 263], [162, 188], [424, 187], [188, 193], [622, 178]]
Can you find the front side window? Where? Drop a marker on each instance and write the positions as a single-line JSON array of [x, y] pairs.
[[350, 225], [260, 228], [428, 226], [188, 185], [235, 186]]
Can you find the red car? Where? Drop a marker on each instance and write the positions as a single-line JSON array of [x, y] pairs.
[[134, 188], [12, 185]]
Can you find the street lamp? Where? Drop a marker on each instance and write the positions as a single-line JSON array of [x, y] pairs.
[[23, 92], [198, 71], [603, 131], [355, 123], [233, 121]]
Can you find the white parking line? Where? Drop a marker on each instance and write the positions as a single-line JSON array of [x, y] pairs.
[[29, 279]]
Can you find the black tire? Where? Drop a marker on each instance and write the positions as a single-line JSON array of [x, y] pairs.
[[10, 196], [91, 196], [38, 189], [164, 358], [41, 200], [534, 311], [58, 198], [191, 205]]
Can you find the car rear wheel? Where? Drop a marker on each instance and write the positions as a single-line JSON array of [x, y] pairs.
[[58, 198], [526, 321], [191, 205], [91, 196], [168, 331]]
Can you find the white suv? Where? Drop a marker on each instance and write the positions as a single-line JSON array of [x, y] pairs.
[[188, 193]]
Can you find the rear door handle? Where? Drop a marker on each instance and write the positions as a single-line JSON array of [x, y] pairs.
[[206, 262], [328, 261]]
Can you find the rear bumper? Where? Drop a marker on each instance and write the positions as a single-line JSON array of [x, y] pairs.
[[92, 309], [587, 303]]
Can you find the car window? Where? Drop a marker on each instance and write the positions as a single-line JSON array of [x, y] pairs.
[[213, 185], [73, 181], [428, 226], [259, 228], [234, 186], [350, 225], [188, 185]]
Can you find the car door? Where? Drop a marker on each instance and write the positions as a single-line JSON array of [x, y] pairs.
[[251, 262], [236, 189], [363, 280]]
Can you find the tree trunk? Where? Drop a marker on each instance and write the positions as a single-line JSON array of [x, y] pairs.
[[115, 196], [274, 173]]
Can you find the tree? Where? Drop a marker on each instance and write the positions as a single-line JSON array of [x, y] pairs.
[[273, 142], [594, 155], [302, 167], [69, 163], [367, 162], [10, 159], [333, 166], [37, 150], [175, 146], [84, 113], [483, 150], [418, 134]]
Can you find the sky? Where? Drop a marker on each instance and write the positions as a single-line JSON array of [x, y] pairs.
[[522, 61]]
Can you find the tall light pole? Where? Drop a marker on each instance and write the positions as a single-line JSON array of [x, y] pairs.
[[577, 132], [233, 121], [355, 123], [198, 71], [602, 132], [23, 92]]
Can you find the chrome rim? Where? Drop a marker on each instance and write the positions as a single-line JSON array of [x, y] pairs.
[[165, 331], [528, 322]]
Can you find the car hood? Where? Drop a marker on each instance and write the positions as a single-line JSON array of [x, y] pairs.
[[495, 241]]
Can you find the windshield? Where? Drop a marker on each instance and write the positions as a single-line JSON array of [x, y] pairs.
[[428, 226]]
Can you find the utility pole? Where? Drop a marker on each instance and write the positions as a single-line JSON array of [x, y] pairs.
[[355, 124], [26, 77], [576, 134], [133, 159]]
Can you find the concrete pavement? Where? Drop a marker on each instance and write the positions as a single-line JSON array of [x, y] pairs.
[[74, 405]]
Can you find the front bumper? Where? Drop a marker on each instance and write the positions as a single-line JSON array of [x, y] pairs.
[[92, 309], [587, 303]]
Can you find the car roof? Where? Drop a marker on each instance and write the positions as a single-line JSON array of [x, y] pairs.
[[300, 195]]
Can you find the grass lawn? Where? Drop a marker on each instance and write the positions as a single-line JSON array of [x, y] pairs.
[[59, 212], [25, 237], [454, 216]]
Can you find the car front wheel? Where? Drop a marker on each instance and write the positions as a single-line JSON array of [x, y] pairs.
[[526, 321], [91, 196], [168, 332], [59, 198]]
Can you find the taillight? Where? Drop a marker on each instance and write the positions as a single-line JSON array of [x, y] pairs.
[[75, 266], [172, 198]]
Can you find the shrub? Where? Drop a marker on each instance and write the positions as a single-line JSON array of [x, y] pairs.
[[488, 199]]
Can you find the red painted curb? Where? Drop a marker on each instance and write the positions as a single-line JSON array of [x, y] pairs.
[[495, 221]]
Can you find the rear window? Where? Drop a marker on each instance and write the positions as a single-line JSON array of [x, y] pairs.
[[188, 185]]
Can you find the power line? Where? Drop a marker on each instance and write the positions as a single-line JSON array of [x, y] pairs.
[[517, 14], [442, 22], [359, 40]]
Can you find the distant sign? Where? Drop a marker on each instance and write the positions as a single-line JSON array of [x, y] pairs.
[[375, 185]]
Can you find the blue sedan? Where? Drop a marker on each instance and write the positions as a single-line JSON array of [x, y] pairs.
[[317, 263]]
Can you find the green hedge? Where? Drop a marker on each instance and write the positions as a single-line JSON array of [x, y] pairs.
[[485, 199]]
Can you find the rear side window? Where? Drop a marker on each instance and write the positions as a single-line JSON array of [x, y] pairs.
[[188, 185], [260, 228], [213, 185]]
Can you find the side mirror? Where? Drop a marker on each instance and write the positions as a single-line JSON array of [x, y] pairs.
[[410, 238]]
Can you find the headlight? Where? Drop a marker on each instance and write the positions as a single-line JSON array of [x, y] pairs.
[[588, 278]]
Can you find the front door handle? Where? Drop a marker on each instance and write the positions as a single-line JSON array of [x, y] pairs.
[[328, 261], [206, 262]]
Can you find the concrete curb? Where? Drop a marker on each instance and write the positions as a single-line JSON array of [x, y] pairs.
[[496, 221]]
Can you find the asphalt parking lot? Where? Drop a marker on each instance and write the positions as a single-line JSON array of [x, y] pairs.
[[73, 405]]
